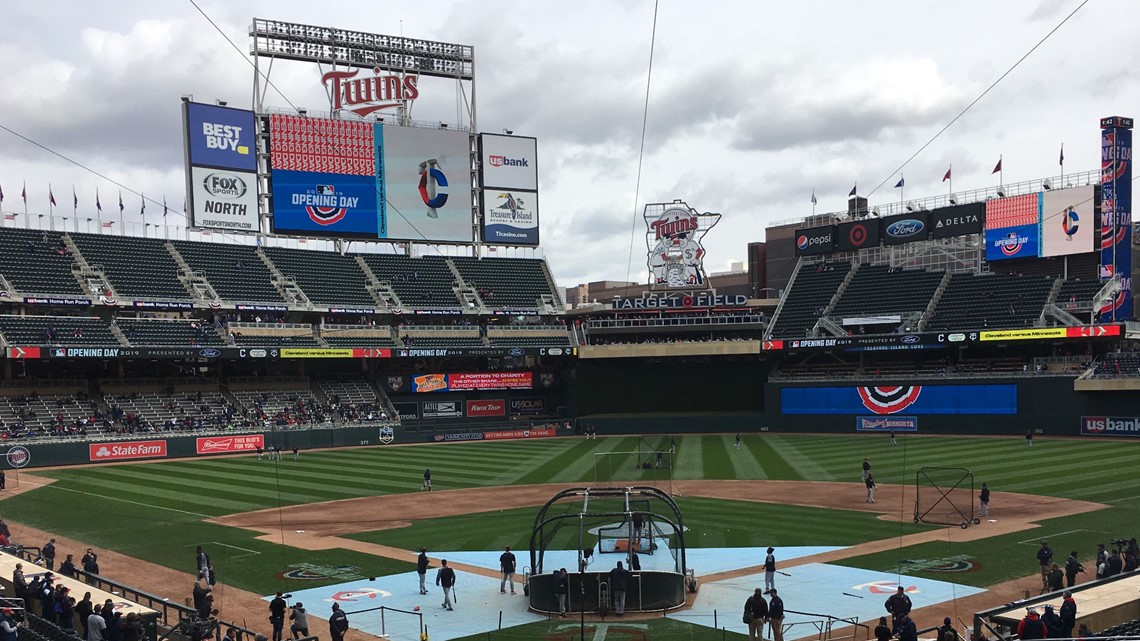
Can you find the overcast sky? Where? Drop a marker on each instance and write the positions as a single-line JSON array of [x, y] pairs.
[[752, 106]]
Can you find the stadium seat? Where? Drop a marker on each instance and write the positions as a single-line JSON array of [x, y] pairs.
[[420, 283], [506, 282], [235, 272], [64, 330], [162, 332], [812, 290], [876, 290], [980, 301], [327, 278]]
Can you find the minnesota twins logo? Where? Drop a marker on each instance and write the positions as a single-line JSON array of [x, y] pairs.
[[433, 186], [889, 400], [675, 230]]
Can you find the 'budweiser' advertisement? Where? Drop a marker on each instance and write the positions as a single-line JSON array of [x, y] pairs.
[[226, 444], [492, 407], [125, 450]]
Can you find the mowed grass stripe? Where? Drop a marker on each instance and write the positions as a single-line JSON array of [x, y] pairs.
[[776, 466], [208, 498], [245, 486], [602, 464], [744, 463], [789, 450], [573, 462], [688, 462], [715, 457]]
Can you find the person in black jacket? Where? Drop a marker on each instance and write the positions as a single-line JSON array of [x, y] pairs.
[[1072, 568], [1055, 582], [898, 605], [48, 554], [67, 568], [755, 615], [445, 578], [1052, 623], [619, 583], [562, 590], [984, 500], [277, 609], [776, 615], [83, 610], [338, 623], [90, 563], [46, 595], [1068, 615], [422, 568], [947, 631], [883, 631], [907, 629], [507, 567]]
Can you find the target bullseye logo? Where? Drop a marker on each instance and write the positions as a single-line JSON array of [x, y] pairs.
[[857, 235], [889, 400]]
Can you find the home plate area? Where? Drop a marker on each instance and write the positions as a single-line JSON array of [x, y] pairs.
[[813, 588]]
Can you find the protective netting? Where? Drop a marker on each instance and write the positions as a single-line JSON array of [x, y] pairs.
[[944, 496]]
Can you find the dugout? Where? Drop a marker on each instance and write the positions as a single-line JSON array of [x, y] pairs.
[[587, 530]]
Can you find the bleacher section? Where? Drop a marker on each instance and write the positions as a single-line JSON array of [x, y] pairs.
[[353, 399], [1118, 365], [163, 411], [536, 336], [990, 301], [276, 341], [64, 330], [326, 278], [812, 291], [234, 271], [287, 404], [425, 282], [1077, 294], [359, 341], [36, 262], [168, 333], [880, 290], [29, 412], [136, 267], [505, 282]]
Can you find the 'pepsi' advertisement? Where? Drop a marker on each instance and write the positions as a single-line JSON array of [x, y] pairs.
[[324, 204], [912, 399], [220, 137], [815, 240], [1023, 241]]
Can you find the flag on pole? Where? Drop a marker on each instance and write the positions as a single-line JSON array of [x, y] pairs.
[[24, 193], [854, 190], [900, 183], [997, 167], [2, 195], [1062, 160], [142, 204], [121, 202], [947, 176], [165, 210], [51, 197], [813, 200], [98, 205], [74, 199]]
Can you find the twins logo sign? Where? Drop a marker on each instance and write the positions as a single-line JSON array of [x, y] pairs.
[[889, 400], [675, 230]]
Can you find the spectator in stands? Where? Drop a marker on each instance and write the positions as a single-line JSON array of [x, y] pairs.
[[1068, 615], [113, 619], [1031, 626], [19, 582], [46, 596], [83, 610], [96, 625], [1052, 623], [947, 631], [883, 631], [9, 627], [133, 628], [65, 607]]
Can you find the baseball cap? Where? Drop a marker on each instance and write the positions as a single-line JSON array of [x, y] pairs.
[[7, 611], [1031, 610]]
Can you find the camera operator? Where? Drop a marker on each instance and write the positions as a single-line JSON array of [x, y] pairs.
[[300, 619]]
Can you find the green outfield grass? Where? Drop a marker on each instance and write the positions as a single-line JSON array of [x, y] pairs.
[[154, 511], [711, 523]]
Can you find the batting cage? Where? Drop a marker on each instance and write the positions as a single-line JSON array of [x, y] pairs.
[[944, 496], [587, 531]]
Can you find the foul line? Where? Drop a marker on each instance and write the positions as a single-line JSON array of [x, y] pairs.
[[227, 545], [115, 498], [1045, 537]]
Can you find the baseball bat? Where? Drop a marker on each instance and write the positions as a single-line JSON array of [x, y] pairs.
[[454, 594], [857, 596], [784, 573]]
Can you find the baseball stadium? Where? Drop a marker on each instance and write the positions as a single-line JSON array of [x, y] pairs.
[[354, 368]]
